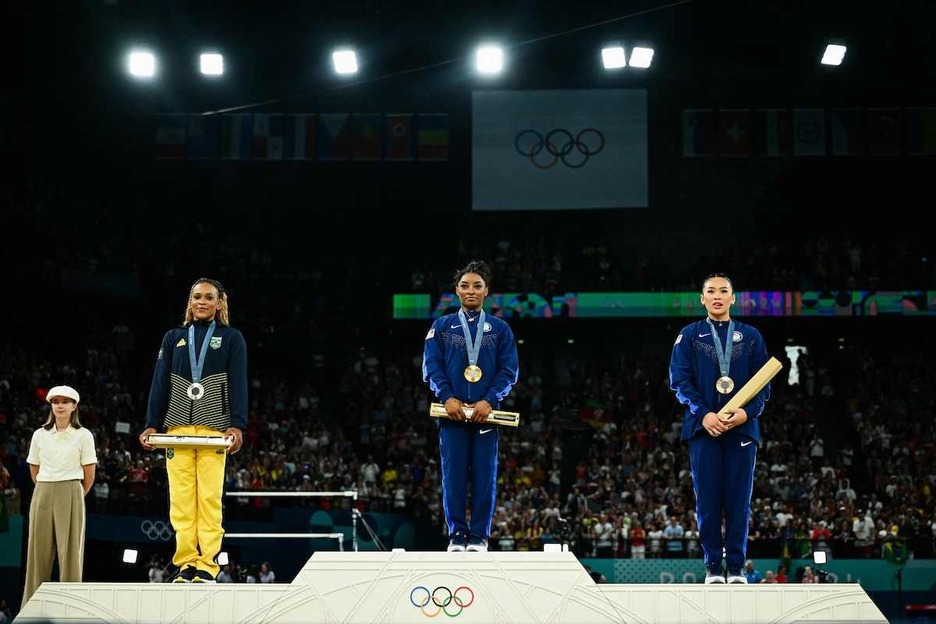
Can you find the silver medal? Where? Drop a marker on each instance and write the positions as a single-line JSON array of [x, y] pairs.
[[724, 384], [196, 391]]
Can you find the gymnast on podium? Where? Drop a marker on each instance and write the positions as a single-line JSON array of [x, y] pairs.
[[470, 363], [198, 396]]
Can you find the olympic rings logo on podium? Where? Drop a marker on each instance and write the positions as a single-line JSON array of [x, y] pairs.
[[558, 145], [437, 601], [157, 531]]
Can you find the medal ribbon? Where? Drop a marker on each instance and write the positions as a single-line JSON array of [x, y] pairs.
[[724, 354], [473, 346], [199, 364]]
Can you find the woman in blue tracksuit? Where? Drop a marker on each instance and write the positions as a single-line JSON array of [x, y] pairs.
[[713, 358], [469, 360]]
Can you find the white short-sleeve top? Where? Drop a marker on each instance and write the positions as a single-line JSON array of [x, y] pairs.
[[60, 455]]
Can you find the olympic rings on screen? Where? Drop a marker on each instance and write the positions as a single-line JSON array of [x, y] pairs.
[[157, 530], [441, 598], [559, 146]]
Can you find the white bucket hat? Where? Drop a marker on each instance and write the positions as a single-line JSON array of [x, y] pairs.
[[62, 391]]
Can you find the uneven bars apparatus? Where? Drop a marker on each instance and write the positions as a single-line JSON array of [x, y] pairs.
[[346, 493]]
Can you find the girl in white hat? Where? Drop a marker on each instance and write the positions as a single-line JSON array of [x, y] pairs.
[[62, 463]]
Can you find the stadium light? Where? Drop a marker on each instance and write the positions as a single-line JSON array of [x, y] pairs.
[[223, 558], [211, 64], [834, 54], [141, 64], [129, 555], [613, 57], [489, 59], [641, 57], [345, 61]]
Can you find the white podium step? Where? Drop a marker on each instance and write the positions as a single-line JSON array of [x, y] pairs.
[[488, 588]]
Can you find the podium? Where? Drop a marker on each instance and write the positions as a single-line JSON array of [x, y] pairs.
[[482, 588]]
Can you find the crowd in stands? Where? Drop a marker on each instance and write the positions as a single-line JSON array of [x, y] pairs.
[[846, 465]]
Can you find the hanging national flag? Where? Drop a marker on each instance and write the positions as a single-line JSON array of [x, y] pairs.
[[884, 130], [236, 136], [561, 149], [398, 137], [267, 137], [204, 132], [171, 131], [776, 128], [809, 135], [299, 136], [848, 132], [734, 132], [698, 132], [334, 136], [921, 131], [432, 136], [367, 140]]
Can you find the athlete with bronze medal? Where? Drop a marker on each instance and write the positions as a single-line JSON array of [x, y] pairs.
[[710, 360], [725, 384]]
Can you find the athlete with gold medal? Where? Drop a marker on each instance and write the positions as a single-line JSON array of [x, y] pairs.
[[469, 361]]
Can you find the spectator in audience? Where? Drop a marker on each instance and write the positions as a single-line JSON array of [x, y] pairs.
[[673, 535], [863, 529], [7, 491], [603, 532], [751, 573], [156, 570], [225, 576], [266, 573], [809, 576], [199, 388], [692, 540], [62, 460], [469, 361], [638, 540], [251, 575], [710, 359]]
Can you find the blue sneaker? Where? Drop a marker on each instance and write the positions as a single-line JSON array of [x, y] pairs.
[[458, 542], [477, 544]]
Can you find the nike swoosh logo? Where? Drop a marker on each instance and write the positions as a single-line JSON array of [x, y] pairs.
[[483, 431], [743, 444], [704, 335], [455, 326]]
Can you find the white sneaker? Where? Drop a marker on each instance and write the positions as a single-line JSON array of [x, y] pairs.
[[458, 542], [737, 579], [477, 545], [714, 579]]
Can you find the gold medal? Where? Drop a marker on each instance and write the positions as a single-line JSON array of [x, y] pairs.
[[473, 373], [724, 384]]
